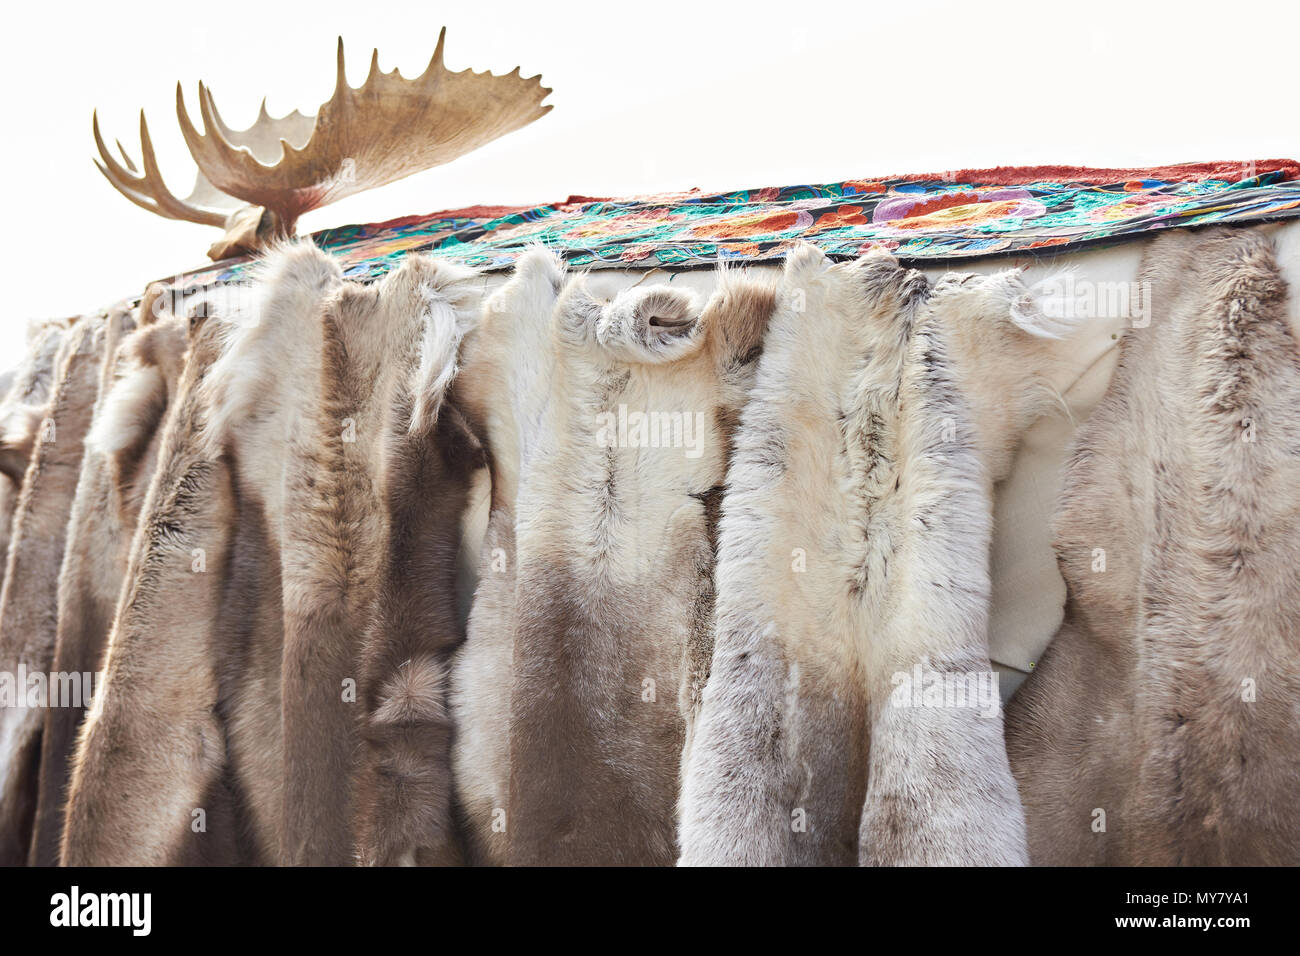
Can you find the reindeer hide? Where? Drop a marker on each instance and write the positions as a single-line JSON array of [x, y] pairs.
[[141, 370], [505, 387], [29, 601], [853, 557], [616, 475], [1160, 727], [376, 497], [410, 467]]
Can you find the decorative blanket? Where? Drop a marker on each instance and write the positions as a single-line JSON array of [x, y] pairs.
[[960, 214]]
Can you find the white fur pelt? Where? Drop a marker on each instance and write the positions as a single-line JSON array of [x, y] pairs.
[[853, 555], [506, 384], [615, 476], [1161, 726]]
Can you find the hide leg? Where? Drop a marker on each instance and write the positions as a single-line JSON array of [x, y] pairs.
[[940, 790], [774, 776]]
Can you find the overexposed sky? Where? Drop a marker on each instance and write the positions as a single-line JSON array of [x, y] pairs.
[[648, 96]]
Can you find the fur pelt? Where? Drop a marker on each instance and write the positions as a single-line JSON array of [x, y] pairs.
[[371, 501], [1161, 725], [181, 757], [22, 406], [264, 397], [395, 518], [596, 590], [29, 599], [146, 785], [505, 386], [142, 365], [853, 548]]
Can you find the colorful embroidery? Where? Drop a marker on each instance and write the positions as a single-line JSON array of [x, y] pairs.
[[916, 219]]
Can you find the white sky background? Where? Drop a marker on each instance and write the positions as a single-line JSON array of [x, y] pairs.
[[649, 96]]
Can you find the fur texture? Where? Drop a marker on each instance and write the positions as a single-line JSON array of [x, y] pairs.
[[608, 588], [389, 352], [188, 717], [22, 405], [419, 459], [321, 469], [506, 388], [263, 399], [146, 783], [1160, 727], [29, 600], [854, 547], [141, 369]]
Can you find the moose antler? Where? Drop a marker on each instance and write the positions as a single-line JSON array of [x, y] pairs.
[[148, 190], [282, 167]]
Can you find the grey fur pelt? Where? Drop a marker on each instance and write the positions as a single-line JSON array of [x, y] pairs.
[[1161, 726], [853, 555]]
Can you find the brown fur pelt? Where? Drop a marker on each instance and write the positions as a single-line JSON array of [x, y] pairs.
[[392, 352], [376, 495], [141, 367], [181, 758], [22, 406], [853, 553], [151, 750], [595, 599], [1161, 727], [29, 600]]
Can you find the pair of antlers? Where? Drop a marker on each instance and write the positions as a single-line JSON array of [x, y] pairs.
[[256, 182]]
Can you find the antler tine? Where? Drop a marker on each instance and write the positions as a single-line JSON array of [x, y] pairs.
[[217, 120], [341, 81], [147, 190], [437, 50], [212, 125], [121, 151], [435, 66], [193, 139], [120, 173], [168, 204]]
